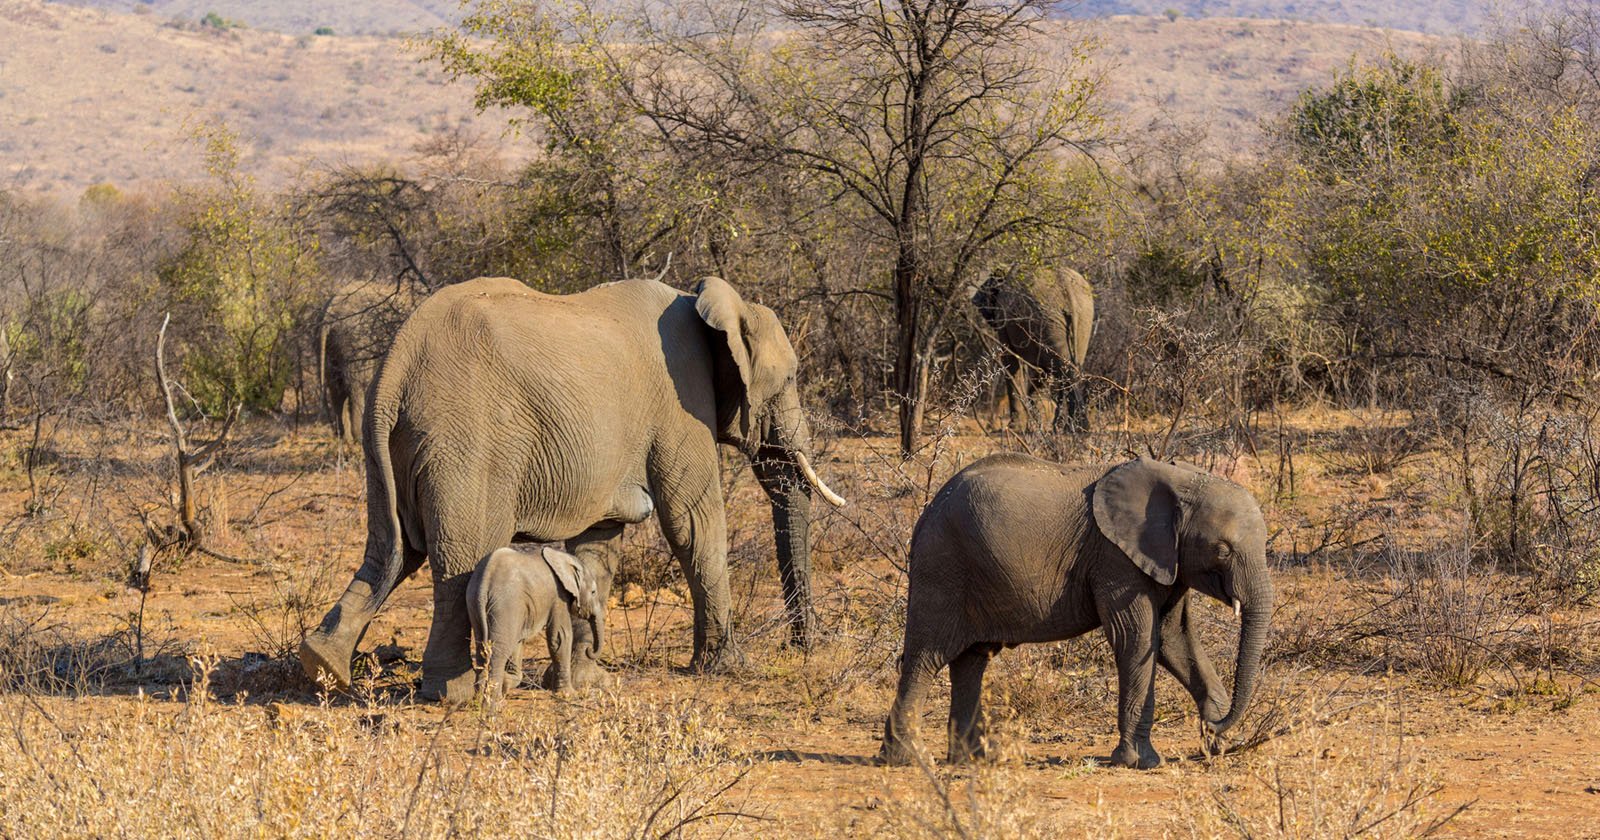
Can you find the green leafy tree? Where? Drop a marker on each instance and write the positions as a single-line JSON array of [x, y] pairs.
[[241, 280]]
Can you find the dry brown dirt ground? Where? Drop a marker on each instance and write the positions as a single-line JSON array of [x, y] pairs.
[[1366, 726]]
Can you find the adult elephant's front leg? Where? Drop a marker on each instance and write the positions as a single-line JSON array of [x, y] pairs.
[[447, 660], [600, 550], [693, 521]]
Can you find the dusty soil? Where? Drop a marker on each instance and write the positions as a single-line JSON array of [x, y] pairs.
[[1355, 734]]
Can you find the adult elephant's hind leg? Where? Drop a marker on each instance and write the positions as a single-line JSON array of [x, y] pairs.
[[458, 538], [967, 738], [327, 651], [918, 666]]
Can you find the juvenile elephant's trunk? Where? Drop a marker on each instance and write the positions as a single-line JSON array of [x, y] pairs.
[[1255, 616]]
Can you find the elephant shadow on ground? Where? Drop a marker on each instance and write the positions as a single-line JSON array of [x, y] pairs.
[[803, 756]]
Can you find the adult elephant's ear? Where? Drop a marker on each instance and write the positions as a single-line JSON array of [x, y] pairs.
[[756, 341], [1137, 508], [566, 569]]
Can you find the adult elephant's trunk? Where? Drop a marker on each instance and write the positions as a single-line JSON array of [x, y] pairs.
[[786, 475], [1255, 615]]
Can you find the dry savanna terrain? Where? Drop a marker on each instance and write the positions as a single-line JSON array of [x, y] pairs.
[[1403, 695], [89, 96]]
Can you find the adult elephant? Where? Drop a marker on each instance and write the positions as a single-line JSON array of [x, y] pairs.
[[1015, 549], [1043, 319], [502, 413], [358, 324]]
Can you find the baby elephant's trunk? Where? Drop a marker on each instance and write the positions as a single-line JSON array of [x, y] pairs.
[[597, 624]]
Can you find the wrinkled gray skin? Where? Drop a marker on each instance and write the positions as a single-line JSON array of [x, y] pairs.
[[502, 414], [1043, 319], [358, 325], [514, 594], [1014, 549]]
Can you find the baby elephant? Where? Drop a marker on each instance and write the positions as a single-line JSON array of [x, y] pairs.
[[512, 595]]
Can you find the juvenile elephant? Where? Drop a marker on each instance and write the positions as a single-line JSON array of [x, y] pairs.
[[1014, 549], [502, 413], [358, 324], [1043, 319], [514, 594]]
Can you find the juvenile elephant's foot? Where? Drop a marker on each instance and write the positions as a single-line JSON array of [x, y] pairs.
[[1141, 757], [1214, 708], [326, 659], [452, 690], [723, 659]]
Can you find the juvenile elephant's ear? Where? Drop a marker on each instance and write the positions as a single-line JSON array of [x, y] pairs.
[[569, 573], [760, 349], [1137, 508]]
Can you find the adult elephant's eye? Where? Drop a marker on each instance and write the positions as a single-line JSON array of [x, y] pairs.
[[1224, 549]]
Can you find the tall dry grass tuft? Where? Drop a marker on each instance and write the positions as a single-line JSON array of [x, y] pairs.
[[1328, 779], [608, 766]]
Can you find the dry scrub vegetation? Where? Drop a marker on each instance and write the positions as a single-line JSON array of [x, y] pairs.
[[1383, 322], [1394, 638]]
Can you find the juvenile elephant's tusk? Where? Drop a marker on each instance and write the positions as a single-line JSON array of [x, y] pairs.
[[811, 475], [1238, 608]]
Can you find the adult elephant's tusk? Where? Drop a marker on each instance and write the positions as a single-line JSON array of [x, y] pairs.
[[811, 475], [1238, 608]]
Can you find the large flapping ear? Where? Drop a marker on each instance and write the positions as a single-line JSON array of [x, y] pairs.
[[760, 349], [568, 571], [1136, 507]]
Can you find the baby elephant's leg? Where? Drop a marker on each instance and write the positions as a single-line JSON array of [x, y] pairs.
[[559, 635]]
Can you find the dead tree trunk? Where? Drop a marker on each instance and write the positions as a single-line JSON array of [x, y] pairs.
[[190, 463]]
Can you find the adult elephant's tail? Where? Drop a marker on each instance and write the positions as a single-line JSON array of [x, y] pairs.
[[326, 652]]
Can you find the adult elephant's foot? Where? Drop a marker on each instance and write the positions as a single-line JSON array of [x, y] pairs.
[[586, 673], [723, 659], [803, 633], [451, 690], [326, 660], [1141, 757], [967, 751], [897, 752]]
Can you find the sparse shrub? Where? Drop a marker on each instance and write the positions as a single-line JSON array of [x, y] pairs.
[[245, 277], [1379, 443]]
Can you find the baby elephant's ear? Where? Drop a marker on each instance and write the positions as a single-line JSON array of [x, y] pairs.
[[568, 571], [1136, 507]]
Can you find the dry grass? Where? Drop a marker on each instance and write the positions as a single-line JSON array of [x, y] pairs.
[[1392, 636]]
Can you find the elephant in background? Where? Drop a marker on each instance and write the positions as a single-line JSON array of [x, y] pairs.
[[358, 324], [502, 414], [1043, 319], [1015, 549]]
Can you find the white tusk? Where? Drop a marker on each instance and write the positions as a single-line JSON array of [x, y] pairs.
[[1238, 608], [811, 475]]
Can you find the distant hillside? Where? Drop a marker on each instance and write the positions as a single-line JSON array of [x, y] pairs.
[[89, 96], [1442, 17], [299, 17], [384, 17], [1230, 74]]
